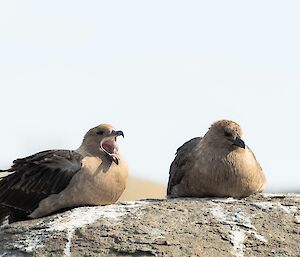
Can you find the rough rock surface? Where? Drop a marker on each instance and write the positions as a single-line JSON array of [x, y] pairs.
[[260, 225]]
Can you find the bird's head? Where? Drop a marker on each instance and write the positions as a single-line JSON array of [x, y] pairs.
[[103, 139], [226, 134]]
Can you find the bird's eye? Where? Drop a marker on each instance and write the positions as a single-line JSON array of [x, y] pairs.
[[100, 132], [227, 134]]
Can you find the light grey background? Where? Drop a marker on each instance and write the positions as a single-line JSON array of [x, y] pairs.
[[162, 71]]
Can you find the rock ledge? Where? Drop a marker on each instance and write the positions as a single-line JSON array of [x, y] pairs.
[[260, 225]]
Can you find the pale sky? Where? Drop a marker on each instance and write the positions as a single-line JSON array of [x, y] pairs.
[[161, 71]]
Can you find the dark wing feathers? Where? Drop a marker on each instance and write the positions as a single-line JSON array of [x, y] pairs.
[[178, 166], [36, 177]]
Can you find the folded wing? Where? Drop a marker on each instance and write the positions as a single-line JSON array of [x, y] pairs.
[[36, 177], [181, 163]]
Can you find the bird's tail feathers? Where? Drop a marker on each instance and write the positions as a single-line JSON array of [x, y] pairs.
[[9, 170]]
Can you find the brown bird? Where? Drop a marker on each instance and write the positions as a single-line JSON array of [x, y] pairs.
[[218, 164], [54, 180]]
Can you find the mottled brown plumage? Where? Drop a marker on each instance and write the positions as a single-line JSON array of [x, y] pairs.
[[46, 182], [219, 164]]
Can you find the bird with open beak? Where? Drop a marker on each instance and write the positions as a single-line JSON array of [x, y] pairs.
[[218, 164], [54, 180]]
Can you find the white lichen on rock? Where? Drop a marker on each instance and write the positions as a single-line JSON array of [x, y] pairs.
[[75, 219], [238, 224]]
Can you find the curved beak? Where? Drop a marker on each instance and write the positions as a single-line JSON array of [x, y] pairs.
[[239, 142], [117, 133]]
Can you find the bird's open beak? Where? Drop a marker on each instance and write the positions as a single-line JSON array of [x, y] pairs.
[[239, 142], [108, 145]]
